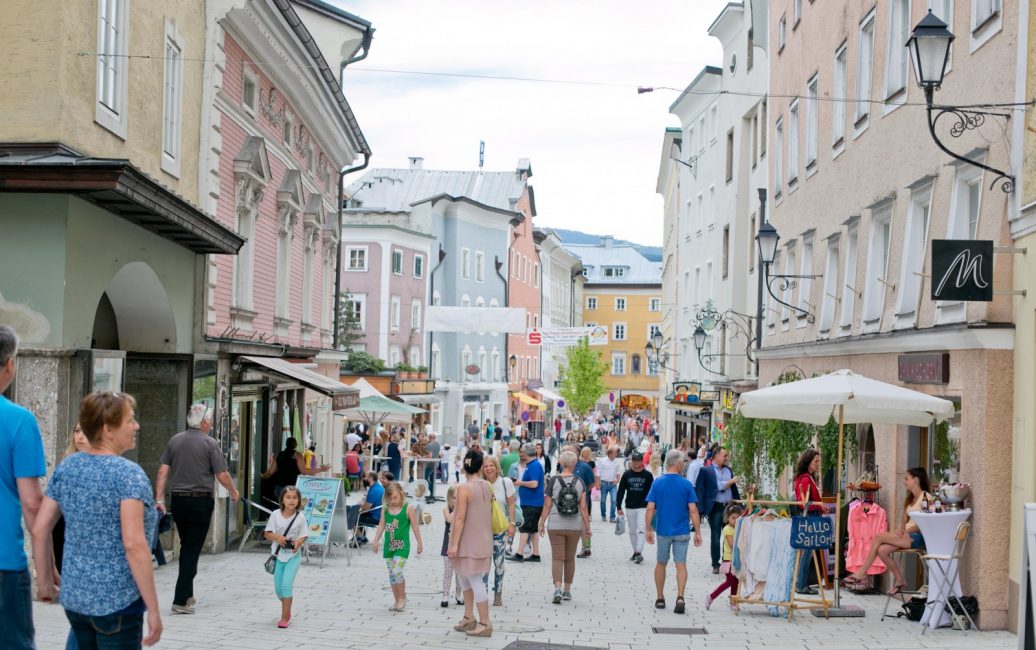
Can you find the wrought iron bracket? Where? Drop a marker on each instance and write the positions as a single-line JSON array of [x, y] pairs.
[[691, 163], [788, 282]]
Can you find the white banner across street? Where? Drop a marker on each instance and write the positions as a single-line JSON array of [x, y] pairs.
[[491, 320], [567, 336]]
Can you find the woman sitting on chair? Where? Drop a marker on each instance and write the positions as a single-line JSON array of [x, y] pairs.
[[907, 536]]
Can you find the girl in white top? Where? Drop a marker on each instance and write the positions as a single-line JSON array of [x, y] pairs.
[[287, 529]]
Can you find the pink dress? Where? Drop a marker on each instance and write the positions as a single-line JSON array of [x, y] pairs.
[[865, 521], [475, 547]]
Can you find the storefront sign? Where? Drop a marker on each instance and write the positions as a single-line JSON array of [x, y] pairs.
[[345, 401], [319, 498], [925, 368], [809, 533], [962, 269], [567, 336], [476, 397], [709, 396], [686, 392]]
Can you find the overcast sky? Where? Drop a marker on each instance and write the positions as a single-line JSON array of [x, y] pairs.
[[594, 149]]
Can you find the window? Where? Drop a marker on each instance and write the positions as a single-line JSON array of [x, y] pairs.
[[465, 360], [395, 355], [830, 297], [654, 328], [397, 262], [845, 321], [635, 364], [812, 91], [789, 269], [618, 363], [986, 20], [619, 331], [974, 196], [698, 300], [864, 69], [536, 275], [414, 356], [782, 33], [620, 304], [714, 122], [877, 267], [711, 207], [896, 63], [655, 304], [172, 100], [914, 244], [418, 266], [310, 248], [465, 263], [778, 161], [750, 58], [111, 66], [357, 258], [771, 309], [708, 281], [480, 266], [483, 369], [288, 133], [496, 365], [356, 308], [436, 369], [690, 139], [701, 133], [613, 271], [943, 10], [751, 243], [726, 251], [415, 315], [249, 87], [699, 214], [394, 314], [793, 144], [591, 302], [755, 139], [838, 106], [730, 155], [806, 283], [762, 129]]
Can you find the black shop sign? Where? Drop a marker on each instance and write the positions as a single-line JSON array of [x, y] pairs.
[[962, 269]]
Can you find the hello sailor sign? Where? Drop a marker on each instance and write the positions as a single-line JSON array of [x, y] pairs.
[[811, 533]]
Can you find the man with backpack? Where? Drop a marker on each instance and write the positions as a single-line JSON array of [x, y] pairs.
[[566, 518]]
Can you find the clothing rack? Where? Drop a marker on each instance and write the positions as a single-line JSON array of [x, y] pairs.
[[795, 600]]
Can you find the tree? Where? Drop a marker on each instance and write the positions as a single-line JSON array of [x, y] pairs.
[[581, 385], [349, 330]]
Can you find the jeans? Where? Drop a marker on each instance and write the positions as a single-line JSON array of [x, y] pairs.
[[715, 530], [16, 628], [802, 579], [429, 477], [111, 632], [499, 551], [606, 489], [192, 516], [284, 575]]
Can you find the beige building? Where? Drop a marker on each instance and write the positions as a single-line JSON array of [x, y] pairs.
[[858, 191]]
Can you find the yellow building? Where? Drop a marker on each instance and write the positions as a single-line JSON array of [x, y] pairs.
[[623, 293]]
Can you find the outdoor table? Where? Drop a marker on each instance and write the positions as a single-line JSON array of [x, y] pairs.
[[940, 532]]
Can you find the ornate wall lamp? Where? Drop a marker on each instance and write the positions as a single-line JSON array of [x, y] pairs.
[[708, 319], [655, 351], [929, 46], [767, 239]]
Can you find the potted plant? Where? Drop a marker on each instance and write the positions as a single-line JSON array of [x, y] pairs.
[[404, 370], [422, 372]]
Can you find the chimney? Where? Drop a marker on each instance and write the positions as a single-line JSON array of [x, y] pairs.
[[416, 162], [607, 241]]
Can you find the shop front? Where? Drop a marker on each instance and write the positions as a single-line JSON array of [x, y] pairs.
[[970, 448]]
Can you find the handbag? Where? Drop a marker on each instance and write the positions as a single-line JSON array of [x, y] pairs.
[[500, 522], [271, 562], [913, 609]]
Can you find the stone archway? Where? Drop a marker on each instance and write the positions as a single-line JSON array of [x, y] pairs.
[[134, 313]]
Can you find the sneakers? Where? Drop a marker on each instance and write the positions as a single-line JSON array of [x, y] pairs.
[[585, 553], [633, 558], [516, 557], [566, 595], [444, 603], [715, 569], [558, 594], [533, 558], [638, 558], [708, 601], [182, 609]]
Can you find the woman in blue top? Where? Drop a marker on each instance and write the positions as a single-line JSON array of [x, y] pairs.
[[107, 583]]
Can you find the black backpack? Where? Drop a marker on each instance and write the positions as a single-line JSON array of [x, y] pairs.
[[567, 501]]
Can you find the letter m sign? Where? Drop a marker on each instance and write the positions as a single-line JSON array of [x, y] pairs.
[[962, 269]]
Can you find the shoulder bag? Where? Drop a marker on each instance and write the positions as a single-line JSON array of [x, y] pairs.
[[500, 522], [271, 562]]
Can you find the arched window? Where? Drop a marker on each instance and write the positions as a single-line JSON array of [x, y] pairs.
[[635, 364]]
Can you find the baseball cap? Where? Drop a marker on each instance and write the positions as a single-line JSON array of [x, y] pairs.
[[636, 456]]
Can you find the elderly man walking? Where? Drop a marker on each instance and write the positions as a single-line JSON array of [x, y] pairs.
[[21, 466], [672, 498], [190, 464], [432, 451]]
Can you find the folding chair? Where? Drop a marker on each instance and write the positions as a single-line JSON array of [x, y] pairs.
[[900, 556], [354, 529], [948, 567], [252, 526]]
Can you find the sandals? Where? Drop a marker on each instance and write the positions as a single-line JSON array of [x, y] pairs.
[[486, 631], [850, 581], [660, 603], [466, 624], [896, 589], [679, 607]]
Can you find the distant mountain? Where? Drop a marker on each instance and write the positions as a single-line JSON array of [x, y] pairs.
[[653, 253]]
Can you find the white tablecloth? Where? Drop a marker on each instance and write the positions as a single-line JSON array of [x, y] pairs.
[[939, 530]]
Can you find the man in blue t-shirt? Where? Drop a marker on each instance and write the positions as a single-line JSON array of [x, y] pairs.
[[530, 494], [367, 513], [673, 499], [21, 466]]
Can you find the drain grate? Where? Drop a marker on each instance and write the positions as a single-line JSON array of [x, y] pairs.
[[539, 645], [689, 631]]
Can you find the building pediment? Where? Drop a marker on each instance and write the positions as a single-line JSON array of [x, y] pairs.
[[252, 161]]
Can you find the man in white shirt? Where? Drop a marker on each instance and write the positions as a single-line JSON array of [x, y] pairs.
[[352, 439], [609, 470], [695, 466]]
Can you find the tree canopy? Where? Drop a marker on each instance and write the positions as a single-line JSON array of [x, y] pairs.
[[581, 384]]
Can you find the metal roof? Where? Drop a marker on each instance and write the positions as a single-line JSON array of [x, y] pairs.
[[396, 190], [638, 269]]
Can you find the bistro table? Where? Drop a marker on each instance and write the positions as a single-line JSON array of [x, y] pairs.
[[940, 533]]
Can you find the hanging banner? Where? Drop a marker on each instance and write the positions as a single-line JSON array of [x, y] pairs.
[[567, 336], [491, 320]]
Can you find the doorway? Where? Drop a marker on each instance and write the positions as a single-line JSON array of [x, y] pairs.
[[245, 455]]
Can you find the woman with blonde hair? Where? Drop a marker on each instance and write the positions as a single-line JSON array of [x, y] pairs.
[[504, 492]]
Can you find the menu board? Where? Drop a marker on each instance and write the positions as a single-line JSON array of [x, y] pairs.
[[319, 498]]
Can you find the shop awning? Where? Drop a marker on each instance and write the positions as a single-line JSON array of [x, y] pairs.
[[549, 394], [342, 396], [531, 401], [418, 399]]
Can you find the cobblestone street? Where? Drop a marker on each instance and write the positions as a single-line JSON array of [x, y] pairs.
[[612, 607]]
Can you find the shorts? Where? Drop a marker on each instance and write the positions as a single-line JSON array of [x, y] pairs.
[[531, 519], [395, 566], [916, 540], [678, 544]]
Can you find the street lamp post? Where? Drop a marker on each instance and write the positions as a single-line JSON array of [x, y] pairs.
[[767, 240]]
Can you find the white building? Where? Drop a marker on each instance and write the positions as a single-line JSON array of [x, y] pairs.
[[723, 147], [561, 298]]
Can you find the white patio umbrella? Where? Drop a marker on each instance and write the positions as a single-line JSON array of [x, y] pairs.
[[852, 399]]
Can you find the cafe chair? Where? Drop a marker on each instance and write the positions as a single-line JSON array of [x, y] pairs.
[[948, 567], [354, 530], [253, 526], [900, 557]]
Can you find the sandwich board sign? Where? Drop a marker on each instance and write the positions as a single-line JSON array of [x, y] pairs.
[[319, 500]]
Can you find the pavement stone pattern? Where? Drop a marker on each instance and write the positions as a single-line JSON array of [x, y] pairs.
[[612, 608]]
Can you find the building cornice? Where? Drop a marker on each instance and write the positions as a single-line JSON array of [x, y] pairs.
[[949, 337]]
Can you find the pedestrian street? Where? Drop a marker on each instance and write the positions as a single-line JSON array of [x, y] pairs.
[[612, 607]]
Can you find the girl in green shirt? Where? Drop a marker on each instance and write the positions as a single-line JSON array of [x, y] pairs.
[[397, 521]]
